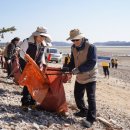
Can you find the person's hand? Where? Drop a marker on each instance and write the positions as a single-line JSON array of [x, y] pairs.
[[65, 69], [75, 71], [66, 77], [69, 76], [17, 48], [9, 61]]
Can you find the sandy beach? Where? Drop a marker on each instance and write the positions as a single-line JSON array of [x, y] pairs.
[[112, 97]]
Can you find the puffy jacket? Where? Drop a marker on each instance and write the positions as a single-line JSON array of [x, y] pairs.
[[11, 50], [84, 58]]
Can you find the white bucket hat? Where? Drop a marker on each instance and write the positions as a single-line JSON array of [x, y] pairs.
[[75, 34], [41, 31]]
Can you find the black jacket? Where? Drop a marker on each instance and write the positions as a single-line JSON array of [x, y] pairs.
[[11, 50], [34, 53]]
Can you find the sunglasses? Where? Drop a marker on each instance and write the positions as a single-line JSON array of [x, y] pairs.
[[42, 36], [76, 40]]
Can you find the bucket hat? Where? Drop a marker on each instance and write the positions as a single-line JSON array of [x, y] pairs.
[[75, 34]]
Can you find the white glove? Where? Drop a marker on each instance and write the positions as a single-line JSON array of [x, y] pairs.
[[17, 48], [9, 61], [75, 71]]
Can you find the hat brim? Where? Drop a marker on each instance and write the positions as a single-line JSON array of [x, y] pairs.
[[48, 37], [47, 41], [76, 37]]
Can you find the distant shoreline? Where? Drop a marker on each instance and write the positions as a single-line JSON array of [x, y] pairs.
[[113, 46], [101, 46]]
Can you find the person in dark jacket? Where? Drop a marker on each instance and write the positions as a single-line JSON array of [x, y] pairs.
[[34, 46], [112, 62], [10, 54], [66, 60], [83, 65], [116, 63]]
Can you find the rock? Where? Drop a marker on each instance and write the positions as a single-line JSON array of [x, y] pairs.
[[66, 125], [41, 127], [36, 126], [3, 108]]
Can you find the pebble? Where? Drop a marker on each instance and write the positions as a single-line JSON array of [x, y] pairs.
[[36, 126]]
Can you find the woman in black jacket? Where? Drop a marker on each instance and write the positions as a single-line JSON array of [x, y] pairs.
[[10, 54]]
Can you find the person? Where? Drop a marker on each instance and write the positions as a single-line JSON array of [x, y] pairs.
[[116, 63], [65, 65], [34, 46], [9, 53], [112, 62], [66, 60], [83, 65], [105, 66], [2, 58]]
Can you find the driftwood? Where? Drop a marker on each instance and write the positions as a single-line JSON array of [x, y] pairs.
[[111, 124], [116, 125], [104, 121]]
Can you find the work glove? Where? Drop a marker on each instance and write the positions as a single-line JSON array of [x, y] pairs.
[[9, 61], [65, 69], [75, 71], [17, 48]]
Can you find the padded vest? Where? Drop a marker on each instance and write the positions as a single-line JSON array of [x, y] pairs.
[[80, 57]]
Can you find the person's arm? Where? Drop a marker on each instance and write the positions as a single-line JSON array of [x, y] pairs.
[[91, 60], [23, 48]]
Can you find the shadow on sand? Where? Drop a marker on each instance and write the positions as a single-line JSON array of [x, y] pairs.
[[39, 117]]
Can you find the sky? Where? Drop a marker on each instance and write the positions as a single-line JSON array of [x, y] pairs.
[[99, 20]]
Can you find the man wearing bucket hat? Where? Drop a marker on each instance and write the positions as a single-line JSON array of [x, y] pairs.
[[83, 65], [35, 47]]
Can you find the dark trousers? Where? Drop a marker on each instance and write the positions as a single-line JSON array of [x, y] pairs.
[[106, 70], [27, 98], [116, 66], [79, 91], [9, 67], [112, 65]]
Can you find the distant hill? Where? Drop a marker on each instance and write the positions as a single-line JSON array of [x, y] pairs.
[[109, 43], [53, 44], [112, 43], [3, 44]]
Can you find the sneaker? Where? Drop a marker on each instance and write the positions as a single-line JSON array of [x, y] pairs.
[[87, 124], [25, 108], [33, 107], [81, 114]]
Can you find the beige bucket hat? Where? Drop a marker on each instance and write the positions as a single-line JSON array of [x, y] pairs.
[[41, 31], [75, 34]]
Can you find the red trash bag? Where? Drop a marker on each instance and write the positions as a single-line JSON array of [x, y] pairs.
[[35, 80], [16, 70], [55, 100], [46, 87]]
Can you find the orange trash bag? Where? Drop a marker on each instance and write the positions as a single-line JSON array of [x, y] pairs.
[[55, 100], [36, 82], [46, 88], [16, 69]]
